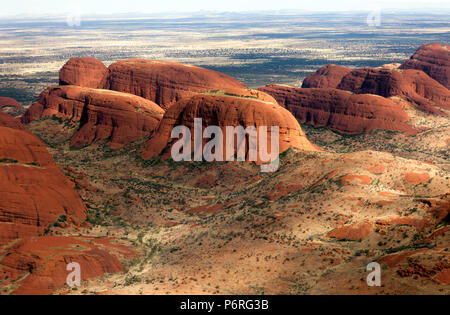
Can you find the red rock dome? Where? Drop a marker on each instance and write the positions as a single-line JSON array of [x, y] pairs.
[[164, 82], [38, 265], [86, 72], [415, 86], [120, 117], [434, 60], [222, 109], [11, 107], [35, 192], [340, 110], [328, 76], [8, 101]]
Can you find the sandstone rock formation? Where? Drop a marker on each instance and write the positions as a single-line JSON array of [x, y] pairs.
[[328, 76], [228, 109], [34, 191], [86, 72], [433, 59], [164, 82], [37, 265], [103, 114], [11, 122], [340, 110], [11, 106], [8, 102], [415, 86]]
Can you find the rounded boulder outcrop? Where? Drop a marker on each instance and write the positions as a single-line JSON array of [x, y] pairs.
[[165, 83], [9, 102], [86, 72], [120, 117], [38, 265], [340, 110], [425, 93], [11, 106], [11, 122], [34, 191], [434, 60], [328, 76], [224, 109]]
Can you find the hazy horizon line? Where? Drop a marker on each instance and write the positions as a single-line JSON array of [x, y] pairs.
[[132, 14]]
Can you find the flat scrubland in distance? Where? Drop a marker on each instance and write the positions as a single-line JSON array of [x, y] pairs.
[[257, 49]]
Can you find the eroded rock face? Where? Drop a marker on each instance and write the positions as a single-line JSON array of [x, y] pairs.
[[11, 106], [228, 109], [425, 93], [86, 72], [434, 60], [165, 83], [328, 76], [35, 192], [120, 117], [11, 122], [38, 264], [58, 101], [8, 102], [340, 110]]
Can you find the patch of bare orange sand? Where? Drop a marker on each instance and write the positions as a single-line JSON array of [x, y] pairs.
[[353, 232], [417, 178], [355, 180], [376, 169]]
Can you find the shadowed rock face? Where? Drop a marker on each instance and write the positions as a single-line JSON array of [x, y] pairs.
[[165, 83], [224, 110], [425, 93], [329, 76], [434, 60], [340, 110], [86, 72], [35, 192], [122, 118]]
